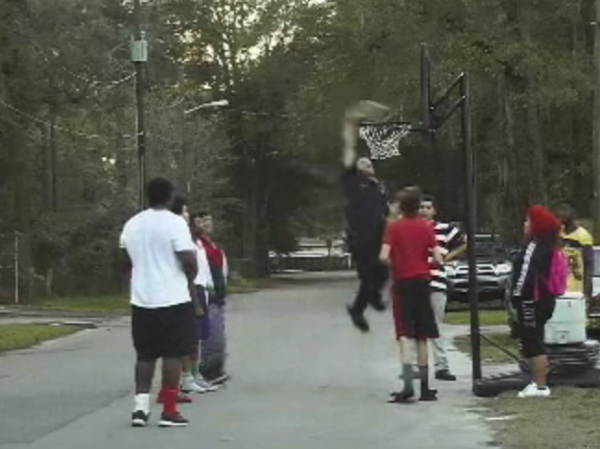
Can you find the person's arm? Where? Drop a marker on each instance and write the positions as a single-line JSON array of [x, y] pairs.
[[457, 242], [438, 255], [350, 139], [384, 255], [124, 258], [125, 262], [386, 247], [184, 248]]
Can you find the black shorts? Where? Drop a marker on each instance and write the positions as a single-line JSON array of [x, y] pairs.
[[413, 314], [166, 332], [533, 316]]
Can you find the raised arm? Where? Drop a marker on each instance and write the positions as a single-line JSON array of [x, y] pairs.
[[350, 140]]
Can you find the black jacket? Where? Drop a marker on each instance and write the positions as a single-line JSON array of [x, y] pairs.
[[531, 267], [366, 209]]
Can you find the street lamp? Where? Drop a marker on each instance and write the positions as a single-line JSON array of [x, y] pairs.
[[187, 112], [210, 105]]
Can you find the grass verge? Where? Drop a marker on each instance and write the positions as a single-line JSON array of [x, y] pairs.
[[21, 336], [566, 420], [490, 354], [250, 285], [486, 317], [117, 305]]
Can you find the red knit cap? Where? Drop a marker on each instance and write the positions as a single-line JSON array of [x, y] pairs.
[[542, 222]]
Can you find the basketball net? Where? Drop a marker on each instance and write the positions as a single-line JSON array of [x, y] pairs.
[[383, 139]]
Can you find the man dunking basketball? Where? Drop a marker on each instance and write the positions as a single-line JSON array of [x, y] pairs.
[[366, 212]]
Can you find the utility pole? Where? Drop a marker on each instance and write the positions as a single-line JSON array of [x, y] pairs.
[[596, 125], [139, 57]]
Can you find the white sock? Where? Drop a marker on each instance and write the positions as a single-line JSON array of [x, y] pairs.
[[142, 402]]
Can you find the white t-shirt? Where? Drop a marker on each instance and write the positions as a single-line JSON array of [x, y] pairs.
[[152, 238], [204, 277]]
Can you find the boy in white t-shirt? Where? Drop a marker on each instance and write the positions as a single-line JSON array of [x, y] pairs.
[[161, 254]]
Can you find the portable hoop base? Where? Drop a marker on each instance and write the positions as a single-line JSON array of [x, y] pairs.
[[515, 381]]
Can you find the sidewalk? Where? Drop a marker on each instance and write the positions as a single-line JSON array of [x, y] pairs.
[[303, 379]]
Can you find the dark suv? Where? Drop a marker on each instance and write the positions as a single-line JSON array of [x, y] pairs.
[[493, 271]]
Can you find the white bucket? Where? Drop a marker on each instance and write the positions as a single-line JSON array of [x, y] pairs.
[[568, 323]]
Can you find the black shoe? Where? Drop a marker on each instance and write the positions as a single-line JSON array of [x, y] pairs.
[[446, 375], [429, 396], [402, 397], [379, 305], [173, 421], [358, 319], [139, 418]]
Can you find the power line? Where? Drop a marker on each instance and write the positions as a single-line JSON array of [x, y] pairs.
[[45, 122]]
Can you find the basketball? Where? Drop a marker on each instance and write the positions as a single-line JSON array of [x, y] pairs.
[[366, 109]]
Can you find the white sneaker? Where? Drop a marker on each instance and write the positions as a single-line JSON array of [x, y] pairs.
[[533, 391], [189, 385], [205, 385]]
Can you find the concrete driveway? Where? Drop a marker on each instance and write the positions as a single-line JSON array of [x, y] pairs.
[[303, 378]]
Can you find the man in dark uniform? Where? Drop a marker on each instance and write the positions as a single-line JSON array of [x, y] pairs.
[[366, 212]]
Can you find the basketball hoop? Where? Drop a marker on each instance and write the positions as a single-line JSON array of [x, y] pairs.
[[383, 139]]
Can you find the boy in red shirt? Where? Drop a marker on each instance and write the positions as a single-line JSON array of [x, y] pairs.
[[407, 247]]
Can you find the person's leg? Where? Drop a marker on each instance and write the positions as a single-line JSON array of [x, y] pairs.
[[171, 376], [188, 375], [406, 345], [220, 344], [425, 329], [143, 340], [539, 369], [442, 370], [361, 300], [380, 275], [144, 375], [402, 308], [532, 342], [178, 338]]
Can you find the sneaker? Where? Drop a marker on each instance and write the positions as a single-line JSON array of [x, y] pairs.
[[189, 385], [358, 319], [533, 391], [446, 375], [139, 418], [220, 379], [207, 386], [173, 421]]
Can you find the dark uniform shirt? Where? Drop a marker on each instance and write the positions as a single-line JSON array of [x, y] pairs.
[[366, 209]]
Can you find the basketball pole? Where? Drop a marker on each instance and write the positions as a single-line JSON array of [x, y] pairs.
[[431, 123], [471, 202]]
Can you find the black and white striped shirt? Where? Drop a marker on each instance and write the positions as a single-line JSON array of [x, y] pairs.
[[449, 237]]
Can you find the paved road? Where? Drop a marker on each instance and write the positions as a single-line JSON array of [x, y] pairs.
[[303, 379]]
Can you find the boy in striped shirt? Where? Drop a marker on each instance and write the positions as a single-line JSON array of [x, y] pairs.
[[453, 244]]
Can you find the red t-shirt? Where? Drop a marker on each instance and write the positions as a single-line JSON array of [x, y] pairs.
[[411, 241]]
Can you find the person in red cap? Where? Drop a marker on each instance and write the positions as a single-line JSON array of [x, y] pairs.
[[534, 291]]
